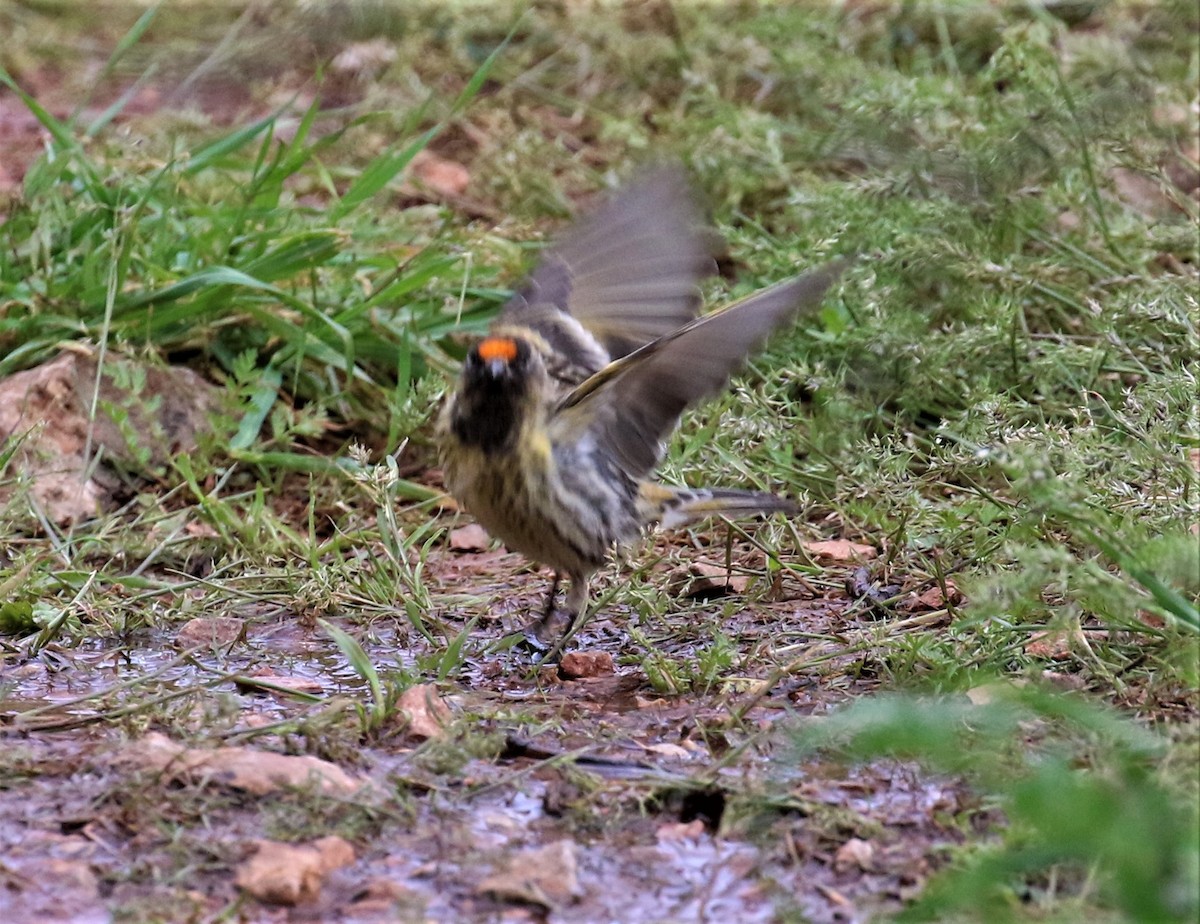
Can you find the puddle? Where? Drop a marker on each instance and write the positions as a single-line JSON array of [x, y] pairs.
[[701, 880], [99, 676]]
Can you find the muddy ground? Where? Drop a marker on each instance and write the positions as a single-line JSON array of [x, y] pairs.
[[658, 807]]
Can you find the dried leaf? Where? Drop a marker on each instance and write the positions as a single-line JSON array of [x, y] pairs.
[[444, 177], [702, 581], [840, 550], [545, 876], [1072, 682], [854, 854], [997, 691], [50, 888], [667, 749], [364, 60], [255, 771], [680, 831], [217, 631], [291, 874], [1050, 645], [933, 599], [862, 586], [379, 898], [427, 713], [470, 538], [198, 529], [267, 680]]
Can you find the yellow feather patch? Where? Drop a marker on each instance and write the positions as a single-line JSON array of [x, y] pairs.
[[539, 445]]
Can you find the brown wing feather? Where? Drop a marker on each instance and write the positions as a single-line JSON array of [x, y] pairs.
[[628, 271], [634, 403]]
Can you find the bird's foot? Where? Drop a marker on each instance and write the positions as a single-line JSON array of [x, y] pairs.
[[546, 635]]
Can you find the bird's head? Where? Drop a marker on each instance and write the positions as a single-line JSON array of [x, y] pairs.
[[498, 362], [503, 381]]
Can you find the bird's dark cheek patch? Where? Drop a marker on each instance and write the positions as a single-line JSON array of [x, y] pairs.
[[488, 420]]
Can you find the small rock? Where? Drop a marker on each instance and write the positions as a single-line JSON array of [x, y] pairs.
[[578, 665], [1142, 192], [161, 412]]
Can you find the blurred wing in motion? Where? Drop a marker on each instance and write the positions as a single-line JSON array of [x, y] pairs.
[[627, 272], [631, 405]]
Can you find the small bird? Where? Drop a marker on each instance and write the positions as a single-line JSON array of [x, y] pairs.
[[560, 413]]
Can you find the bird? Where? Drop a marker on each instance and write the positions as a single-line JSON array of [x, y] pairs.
[[559, 417]]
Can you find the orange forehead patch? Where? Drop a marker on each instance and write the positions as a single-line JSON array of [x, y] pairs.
[[502, 348]]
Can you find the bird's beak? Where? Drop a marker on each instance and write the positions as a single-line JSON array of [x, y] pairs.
[[497, 368]]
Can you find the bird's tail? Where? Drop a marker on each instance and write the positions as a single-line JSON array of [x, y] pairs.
[[672, 507]]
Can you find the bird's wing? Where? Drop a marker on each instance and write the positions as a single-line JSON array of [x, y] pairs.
[[631, 405], [628, 271]]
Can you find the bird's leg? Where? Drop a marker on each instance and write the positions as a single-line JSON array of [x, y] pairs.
[[577, 601], [537, 632], [540, 632], [548, 610]]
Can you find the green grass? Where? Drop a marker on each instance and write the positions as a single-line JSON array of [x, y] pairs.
[[1002, 394], [1114, 823]]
